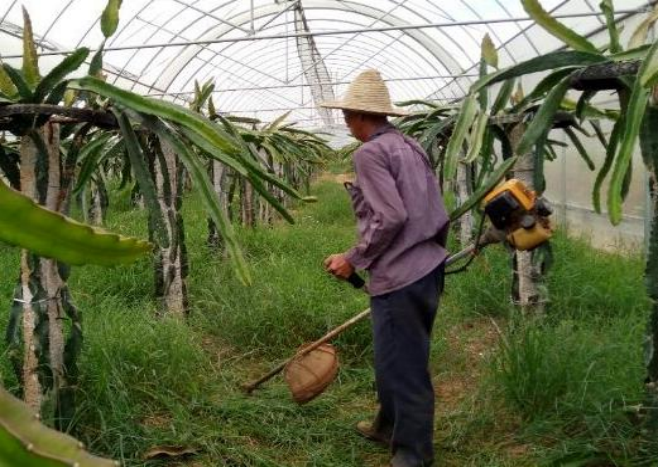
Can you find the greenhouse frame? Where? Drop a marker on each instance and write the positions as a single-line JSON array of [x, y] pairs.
[[216, 138]]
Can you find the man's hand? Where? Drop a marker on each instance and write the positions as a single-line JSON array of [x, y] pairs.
[[338, 266]]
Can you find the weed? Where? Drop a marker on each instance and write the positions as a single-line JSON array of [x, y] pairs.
[[550, 394]]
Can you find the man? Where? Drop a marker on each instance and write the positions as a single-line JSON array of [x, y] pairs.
[[402, 226]]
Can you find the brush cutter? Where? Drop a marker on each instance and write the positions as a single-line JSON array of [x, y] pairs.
[[518, 219]]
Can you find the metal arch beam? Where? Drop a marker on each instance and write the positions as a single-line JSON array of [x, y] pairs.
[[235, 100], [51, 49], [488, 26], [4, 17], [523, 32], [213, 16], [165, 24], [303, 85], [183, 30], [399, 71], [315, 69], [372, 56], [221, 6], [438, 52], [217, 54], [442, 56], [241, 77], [387, 33], [292, 5], [395, 51], [56, 19], [364, 41], [351, 38], [136, 17], [440, 31]]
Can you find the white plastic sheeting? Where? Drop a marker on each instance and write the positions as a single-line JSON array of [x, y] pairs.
[[424, 48], [264, 77]]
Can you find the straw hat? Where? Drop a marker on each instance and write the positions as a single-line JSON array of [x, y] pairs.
[[368, 94]]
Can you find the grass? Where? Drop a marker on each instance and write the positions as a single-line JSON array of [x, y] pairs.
[[549, 393]]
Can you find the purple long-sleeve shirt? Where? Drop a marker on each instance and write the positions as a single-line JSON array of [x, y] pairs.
[[401, 220]]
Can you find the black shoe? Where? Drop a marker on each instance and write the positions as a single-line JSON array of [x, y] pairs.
[[403, 459]]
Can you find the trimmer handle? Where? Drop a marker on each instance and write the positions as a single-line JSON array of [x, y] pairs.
[[356, 281]]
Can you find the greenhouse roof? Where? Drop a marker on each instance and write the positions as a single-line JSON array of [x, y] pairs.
[[267, 57]]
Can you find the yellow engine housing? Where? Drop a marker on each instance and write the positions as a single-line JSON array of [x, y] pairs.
[[528, 239], [518, 190]]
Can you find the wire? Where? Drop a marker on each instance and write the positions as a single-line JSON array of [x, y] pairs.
[[475, 252]]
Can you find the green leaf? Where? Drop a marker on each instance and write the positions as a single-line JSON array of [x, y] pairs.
[[246, 120], [70, 96], [489, 52], [214, 152], [23, 224], [639, 37], [7, 86], [25, 441], [96, 65], [23, 87], [633, 117], [30, 58], [584, 103], [548, 83], [477, 137], [89, 156], [634, 114], [483, 94], [418, 102], [431, 133], [538, 178], [57, 74], [557, 29], [143, 176], [464, 122], [637, 53], [503, 97], [212, 111], [584, 110], [580, 148], [165, 110], [258, 185], [542, 123], [245, 166], [206, 93], [609, 11], [204, 187], [494, 179], [110, 18], [648, 73], [550, 61], [628, 179], [277, 123]]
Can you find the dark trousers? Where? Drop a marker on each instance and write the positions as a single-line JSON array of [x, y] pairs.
[[402, 325]]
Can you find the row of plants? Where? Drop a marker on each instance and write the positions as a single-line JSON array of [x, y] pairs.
[[68, 138]]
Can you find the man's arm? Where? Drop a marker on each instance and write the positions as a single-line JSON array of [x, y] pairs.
[[389, 214]]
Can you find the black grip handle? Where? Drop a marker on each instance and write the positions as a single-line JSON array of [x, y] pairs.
[[356, 281]]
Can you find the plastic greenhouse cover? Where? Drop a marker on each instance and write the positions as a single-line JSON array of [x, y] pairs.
[[254, 62]]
